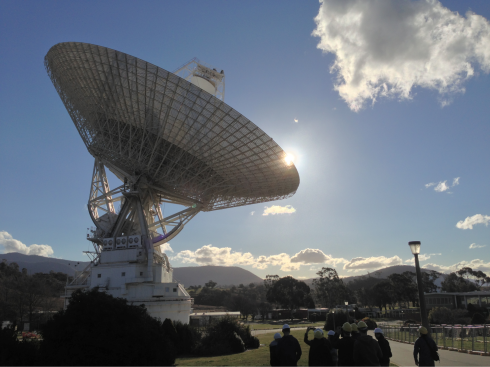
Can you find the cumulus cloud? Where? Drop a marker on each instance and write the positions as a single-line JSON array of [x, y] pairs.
[[210, 255], [166, 247], [10, 244], [315, 256], [363, 263], [385, 48], [475, 264], [422, 257], [469, 222], [276, 209], [474, 245], [442, 186]]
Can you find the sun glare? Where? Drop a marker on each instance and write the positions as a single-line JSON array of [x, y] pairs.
[[289, 159]]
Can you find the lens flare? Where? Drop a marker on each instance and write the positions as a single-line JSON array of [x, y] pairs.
[[289, 159]]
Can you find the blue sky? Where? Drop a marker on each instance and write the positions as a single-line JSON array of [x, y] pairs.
[[406, 106]]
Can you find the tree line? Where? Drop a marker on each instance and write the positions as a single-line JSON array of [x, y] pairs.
[[25, 297], [329, 290]]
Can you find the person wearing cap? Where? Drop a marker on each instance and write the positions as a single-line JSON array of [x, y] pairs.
[[384, 345], [355, 332], [345, 346], [320, 347], [423, 348], [273, 349], [331, 338], [366, 350], [289, 349]]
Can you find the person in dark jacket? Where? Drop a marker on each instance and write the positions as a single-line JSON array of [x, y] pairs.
[[345, 346], [288, 348], [320, 348], [354, 332], [331, 338], [273, 349], [384, 345], [366, 350], [422, 349]]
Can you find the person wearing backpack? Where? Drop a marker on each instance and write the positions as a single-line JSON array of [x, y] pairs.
[[385, 347], [425, 349], [320, 349]]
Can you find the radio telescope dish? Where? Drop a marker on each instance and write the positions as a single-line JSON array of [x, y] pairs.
[[141, 120], [170, 138]]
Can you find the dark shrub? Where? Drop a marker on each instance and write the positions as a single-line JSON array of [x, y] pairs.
[[441, 315], [371, 324], [460, 316], [98, 329], [188, 338], [17, 353], [225, 337], [340, 318], [358, 314], [478, 318]]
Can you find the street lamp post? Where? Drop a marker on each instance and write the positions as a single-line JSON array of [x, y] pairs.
[[415, 247], [333, 317], [346, 310]]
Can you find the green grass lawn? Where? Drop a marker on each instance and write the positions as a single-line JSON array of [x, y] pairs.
[[253, 357]]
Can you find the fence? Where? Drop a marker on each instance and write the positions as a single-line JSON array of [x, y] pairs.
[[461, 337]]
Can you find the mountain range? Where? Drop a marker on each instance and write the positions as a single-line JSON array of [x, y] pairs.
[[191, 275]]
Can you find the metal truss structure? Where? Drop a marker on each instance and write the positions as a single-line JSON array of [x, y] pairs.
[[165, 138]]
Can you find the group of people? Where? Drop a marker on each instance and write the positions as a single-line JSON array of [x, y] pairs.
[[349, 345]]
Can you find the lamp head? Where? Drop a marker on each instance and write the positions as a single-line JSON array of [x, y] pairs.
[[415, 247], [346, 303]]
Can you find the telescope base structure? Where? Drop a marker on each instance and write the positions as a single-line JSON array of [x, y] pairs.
[[124, 274]]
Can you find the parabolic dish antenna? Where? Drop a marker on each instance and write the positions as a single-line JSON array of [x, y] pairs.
[[167, 139], [170, 138]]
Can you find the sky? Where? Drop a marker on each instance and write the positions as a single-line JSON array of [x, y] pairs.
[[383, 104]]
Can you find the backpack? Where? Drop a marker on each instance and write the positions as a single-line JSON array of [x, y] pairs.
[[433, 353]]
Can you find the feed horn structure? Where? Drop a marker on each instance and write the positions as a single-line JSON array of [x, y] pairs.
[[169, 138]]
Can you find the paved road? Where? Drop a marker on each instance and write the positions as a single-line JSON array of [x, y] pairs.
[[403, 356]]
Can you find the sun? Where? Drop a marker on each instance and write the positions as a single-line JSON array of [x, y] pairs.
[[289, 159]]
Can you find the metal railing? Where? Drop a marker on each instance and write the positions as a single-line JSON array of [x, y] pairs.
[[461, 337]]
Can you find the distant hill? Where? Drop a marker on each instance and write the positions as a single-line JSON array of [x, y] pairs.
[[41, 264], [223, 275], [385, 273], [191, 275]]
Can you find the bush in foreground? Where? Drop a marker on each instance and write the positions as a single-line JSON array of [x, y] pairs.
[[98, 329], [226, 336]]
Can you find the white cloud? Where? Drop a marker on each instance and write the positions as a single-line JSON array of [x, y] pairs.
[[166, 247], [252, 213], [442, 186], [469, 222], [12, 245], [276, 209], [296, 120], [362, 263], [315, 256], [386, 48], [210, 255], [422, 257], [475, 264], [474, 245]]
